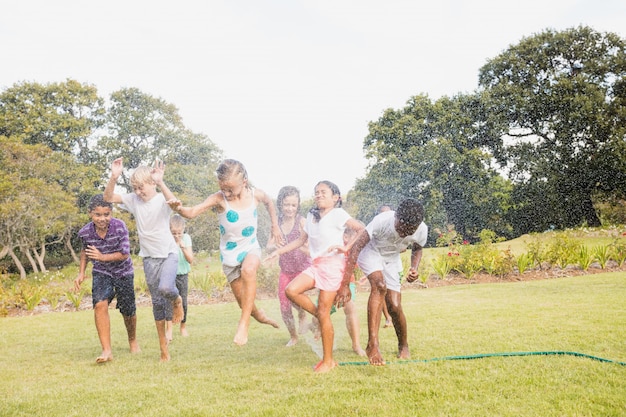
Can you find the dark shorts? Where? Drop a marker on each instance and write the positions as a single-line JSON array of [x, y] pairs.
[[105, 287]]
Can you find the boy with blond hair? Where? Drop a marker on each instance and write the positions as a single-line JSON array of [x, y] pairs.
[[157, 246]]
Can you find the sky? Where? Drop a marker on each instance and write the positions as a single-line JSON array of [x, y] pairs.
[[286, 87]]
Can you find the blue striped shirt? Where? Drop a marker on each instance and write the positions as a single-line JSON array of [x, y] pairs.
[[116, 240]]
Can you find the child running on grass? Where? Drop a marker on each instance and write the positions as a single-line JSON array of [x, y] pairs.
[[106, 245], [240, 252], [157, 246], [324, 229], [185, 259], [377, 250], [291, 263]]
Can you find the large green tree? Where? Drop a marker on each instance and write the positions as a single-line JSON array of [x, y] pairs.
[[430, 151], [554, 115]]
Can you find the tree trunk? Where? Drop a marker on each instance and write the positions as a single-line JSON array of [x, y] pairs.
[[68, 243], [17, 263], [33, 264], [40, 257], [589, 213]]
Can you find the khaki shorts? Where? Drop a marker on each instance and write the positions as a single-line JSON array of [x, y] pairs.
[[234, 272]]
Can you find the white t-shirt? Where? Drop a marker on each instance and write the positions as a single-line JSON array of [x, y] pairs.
[[385, 240], [153, 225], [327, 232]]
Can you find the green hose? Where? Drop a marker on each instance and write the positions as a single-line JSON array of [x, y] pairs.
[[487, 355]]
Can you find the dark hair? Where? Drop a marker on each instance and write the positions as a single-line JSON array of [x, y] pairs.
[[286, 191], [230, 167], [98, 201], [335, 190], [410, 211]]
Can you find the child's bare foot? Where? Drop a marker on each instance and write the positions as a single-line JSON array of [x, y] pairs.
[[260, 316], [323, 367], [177, 310], [104, 357], [388, 324], [292, 342], [403, 352], [183, 330], [241, 337], [374, 356], [315, 329], [359, 351], [165, 357]]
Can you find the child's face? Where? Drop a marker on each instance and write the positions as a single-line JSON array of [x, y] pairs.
[[177, 232], [289, 208], [101, 217], [324, 197], [145, 191], [404, 229], [232, 187]]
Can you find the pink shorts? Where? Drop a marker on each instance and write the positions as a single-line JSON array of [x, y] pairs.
[[327, 271]]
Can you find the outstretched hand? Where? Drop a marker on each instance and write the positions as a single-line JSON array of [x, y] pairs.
[[175, 204]]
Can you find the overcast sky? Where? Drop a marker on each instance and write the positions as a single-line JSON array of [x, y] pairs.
[[286, 87]]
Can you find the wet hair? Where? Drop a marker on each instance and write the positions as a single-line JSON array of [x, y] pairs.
[[229, 168], [410, 211], [315, 211], [383, 208], [178, 222], [286, 191], [141, 175], [98, 201]]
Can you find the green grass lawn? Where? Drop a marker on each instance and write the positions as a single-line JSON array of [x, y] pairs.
[[48, 360]]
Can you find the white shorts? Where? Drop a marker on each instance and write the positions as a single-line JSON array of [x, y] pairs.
[[371, 261]]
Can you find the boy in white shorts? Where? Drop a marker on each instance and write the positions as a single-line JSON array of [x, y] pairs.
[[378, 250]]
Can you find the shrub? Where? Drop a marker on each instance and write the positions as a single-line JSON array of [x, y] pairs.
[[584, 257], [602, 254], [524, 262]]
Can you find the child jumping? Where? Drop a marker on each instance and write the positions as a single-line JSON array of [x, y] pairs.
[[291, 263], [105, 243], [240, 252], [157, 246], [324, 230]]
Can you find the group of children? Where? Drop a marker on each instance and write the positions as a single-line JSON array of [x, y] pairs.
[[319, 252]]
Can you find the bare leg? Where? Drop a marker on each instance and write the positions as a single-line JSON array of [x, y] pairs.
[[131, 329], [325, 301], [244, 289], [387, 316], [374, 311], [168, 330], [352, 324], [103, 327], [165, 354], [394, 303], [177, 310], [183, 329]]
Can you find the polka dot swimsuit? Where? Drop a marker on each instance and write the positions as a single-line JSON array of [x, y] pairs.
[[237, 233]]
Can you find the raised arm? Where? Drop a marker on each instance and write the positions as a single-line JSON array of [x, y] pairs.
[[109, 194], [213, 200], [157, 173]]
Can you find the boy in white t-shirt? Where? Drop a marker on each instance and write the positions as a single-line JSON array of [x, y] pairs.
[[157, 246], [378, 249]]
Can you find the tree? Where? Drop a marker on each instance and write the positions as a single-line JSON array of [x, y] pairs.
[[62, 116], [429, 151], [554, 115], [33, 207]]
